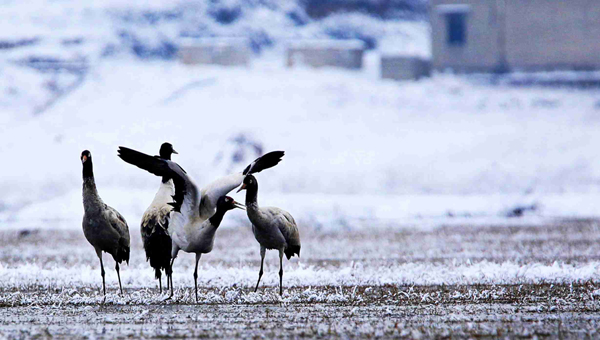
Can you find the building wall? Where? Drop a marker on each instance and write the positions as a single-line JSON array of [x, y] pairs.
[[215, 51], [345, 54], [404, 67], [520, 35], [553, 34], [480, 53]]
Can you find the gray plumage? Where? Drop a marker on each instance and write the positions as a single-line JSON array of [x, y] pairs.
[[272, 227], [222, 186], [190, 227], [200, 239], [104, 228]]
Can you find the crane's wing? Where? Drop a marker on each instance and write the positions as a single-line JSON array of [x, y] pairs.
[[263, 162], [155, 217], [222, 186], [177, 229], [287, 225], [211, 193], [118, 223], [289, 230], [186, 193]]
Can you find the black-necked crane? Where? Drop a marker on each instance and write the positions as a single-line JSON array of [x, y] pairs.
[[193, 209], [104, 228], [273, 228], [155, 224]]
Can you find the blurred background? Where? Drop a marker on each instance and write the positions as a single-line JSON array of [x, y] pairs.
[[390, 111]]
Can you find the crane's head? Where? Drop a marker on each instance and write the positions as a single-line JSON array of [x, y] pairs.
[[86, 156], [249, 183], [166, 150], [227, 203]]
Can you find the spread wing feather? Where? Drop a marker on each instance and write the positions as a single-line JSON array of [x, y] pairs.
[[263, 162], [222, 186], [186, 193], [211, 193]]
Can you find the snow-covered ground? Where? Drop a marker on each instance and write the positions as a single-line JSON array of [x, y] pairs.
[[563, 252], [445, 206], [463, 279], [356, 146], [348, 275]]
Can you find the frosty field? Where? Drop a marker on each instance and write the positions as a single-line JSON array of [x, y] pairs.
[[397, 281], [451, 206]]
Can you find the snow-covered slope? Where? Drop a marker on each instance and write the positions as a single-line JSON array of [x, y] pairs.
[[344, 133], [38, 35], [356, 146]]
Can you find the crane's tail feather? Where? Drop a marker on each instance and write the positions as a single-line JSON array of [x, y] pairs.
[[158, 250], [291, 250], [123, 254]]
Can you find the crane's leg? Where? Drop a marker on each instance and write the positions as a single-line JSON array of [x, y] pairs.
[[170, 278], [280, 272], [263, 250], [168, 285], [99, 253], [174, 251], [196, 275], [119, 276], [169, 272], [159, 274]]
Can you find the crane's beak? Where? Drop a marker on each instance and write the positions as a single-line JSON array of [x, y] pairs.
[[175, 152], [239, 205], [242, 187]]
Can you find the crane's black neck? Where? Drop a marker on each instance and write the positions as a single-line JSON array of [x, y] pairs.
[[90, 193], [165, 155], [88, 170], [216, 219], [252, 194]]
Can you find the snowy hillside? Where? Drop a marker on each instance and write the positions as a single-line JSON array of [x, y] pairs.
[[47, 47], [357, 148]]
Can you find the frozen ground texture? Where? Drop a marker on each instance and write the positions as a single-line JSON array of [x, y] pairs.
[[562, 252], [460, 280]]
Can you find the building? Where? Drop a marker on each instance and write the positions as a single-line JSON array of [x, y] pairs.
[[515, 35], [401, 67], [333, 53], [218, 51]]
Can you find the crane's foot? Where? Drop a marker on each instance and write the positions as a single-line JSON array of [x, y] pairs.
[[168, 297]]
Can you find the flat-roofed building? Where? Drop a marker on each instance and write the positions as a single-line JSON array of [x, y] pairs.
[[318, 53], [502, 35]]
